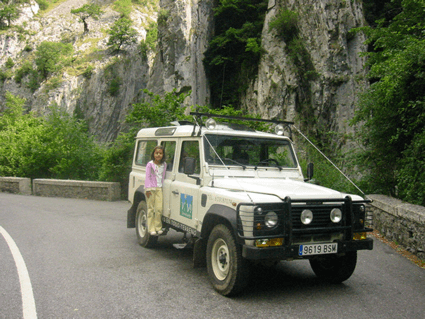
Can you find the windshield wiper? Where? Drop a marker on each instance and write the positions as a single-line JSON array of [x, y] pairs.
[[268, 161], [235, 162]]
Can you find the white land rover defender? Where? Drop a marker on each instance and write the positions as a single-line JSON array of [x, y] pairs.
[[241, 197]]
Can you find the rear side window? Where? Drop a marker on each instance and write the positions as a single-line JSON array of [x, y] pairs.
[[144, 151]]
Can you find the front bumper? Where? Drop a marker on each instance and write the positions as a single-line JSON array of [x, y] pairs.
[[291, 252]]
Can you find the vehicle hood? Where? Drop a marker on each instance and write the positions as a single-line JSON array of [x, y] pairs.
[[280, 188]]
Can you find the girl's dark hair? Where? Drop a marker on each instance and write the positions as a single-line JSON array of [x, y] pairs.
[[159, 147]]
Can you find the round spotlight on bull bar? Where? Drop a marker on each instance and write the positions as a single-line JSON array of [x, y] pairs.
[[210, 124], [279, 129], [336, 215], [271, 219], [306, 216]]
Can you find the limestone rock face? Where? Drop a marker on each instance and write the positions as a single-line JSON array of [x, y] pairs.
[[184, 30], [324, 27]]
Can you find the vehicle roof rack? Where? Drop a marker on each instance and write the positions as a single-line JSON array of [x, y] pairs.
[[199, 115]]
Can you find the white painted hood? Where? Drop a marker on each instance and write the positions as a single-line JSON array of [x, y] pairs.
[[280, 188]]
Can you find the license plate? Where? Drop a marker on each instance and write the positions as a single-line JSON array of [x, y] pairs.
[[318, 249]]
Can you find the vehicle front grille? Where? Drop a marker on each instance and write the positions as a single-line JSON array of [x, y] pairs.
[[321, 217]]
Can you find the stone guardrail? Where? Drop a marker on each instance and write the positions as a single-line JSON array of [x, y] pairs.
[[16, 185], [62, 188], [400, 222]]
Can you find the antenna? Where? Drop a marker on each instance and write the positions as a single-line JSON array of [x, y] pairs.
[[329, 160]]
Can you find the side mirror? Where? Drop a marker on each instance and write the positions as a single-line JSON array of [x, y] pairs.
[[310, 171], [189, 165]]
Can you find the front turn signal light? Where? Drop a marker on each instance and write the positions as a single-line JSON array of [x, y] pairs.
[[269, 242]]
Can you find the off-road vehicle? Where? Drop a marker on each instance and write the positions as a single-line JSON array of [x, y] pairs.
[[241, 199]]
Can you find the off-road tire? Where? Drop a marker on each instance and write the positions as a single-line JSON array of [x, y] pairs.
[[143, 236], [227, 270], [335, 269]]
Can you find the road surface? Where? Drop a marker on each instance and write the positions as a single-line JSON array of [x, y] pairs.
[[82, 262]]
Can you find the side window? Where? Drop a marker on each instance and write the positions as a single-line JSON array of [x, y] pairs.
[[170, 151], [144, 151], [190, 149]]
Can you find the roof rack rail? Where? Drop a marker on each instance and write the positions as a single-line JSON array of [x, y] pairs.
[[197, 114]]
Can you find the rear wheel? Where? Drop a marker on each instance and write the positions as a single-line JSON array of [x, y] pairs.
[[227, 270], [143, 236], [335, 269]]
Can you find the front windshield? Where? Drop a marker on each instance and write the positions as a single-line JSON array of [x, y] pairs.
[[248, 151]]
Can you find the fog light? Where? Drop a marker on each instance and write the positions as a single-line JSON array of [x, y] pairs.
[[306, 216], [279, 130], [276, 242], [271, 219], [262, 243], [359, 236], [210, 124], [336, 215]]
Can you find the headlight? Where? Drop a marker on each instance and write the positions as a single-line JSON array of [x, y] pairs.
[[271, 219], [336, 215], [306, 216]]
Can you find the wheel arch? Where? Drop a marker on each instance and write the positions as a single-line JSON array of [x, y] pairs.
[[220, 214], [139, 195]]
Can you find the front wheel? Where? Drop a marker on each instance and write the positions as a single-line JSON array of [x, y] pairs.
[[143, 236], [335, 269], [227, 270]]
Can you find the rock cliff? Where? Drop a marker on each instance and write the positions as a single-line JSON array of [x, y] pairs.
[[184, 30]]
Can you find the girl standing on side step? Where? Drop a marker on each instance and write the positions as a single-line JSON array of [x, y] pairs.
[[155, 174]]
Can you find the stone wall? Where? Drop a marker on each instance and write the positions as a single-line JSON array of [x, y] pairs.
[[16, 185], [61, 188], [76, 189], [400, 222]]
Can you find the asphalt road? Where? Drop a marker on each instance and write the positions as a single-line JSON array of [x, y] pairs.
[[82, 262]]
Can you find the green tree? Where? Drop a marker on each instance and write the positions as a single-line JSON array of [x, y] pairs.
[[234, 52], [13, 110], [87, 11], [391, 113], [50, 57], [157, 110], [8, 12], [121, 33]]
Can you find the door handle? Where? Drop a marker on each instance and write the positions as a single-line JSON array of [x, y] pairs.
[[175, 192]]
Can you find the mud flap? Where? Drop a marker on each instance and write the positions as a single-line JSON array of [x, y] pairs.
[[200, 254]]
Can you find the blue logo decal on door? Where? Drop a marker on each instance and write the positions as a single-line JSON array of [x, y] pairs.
[[186, 207]]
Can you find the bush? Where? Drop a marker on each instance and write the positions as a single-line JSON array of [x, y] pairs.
[[56, 147], [24, 70], [285, 24], [114, 85], [44, 4], [51, 57], [88, 72], [9, 63], [116, 163], [411, 175]]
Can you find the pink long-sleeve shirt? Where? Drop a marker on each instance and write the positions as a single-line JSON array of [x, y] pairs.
[[150, 181]]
